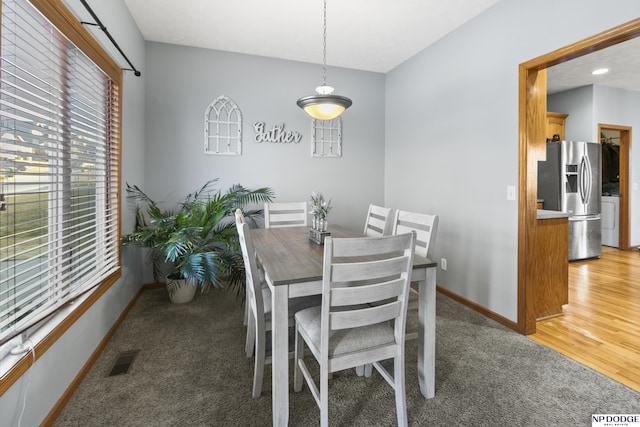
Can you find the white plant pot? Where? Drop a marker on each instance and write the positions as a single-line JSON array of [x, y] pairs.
[[180, 291]]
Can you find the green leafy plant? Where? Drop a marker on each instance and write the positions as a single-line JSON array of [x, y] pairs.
[[319, 206], [198, 239]]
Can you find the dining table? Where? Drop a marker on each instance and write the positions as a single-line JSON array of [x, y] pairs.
[[292, 265]]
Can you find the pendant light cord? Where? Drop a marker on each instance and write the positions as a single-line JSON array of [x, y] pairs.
[[324, 105], [324, 47]]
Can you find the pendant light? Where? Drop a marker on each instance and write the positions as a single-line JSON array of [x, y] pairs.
[[324, 105]]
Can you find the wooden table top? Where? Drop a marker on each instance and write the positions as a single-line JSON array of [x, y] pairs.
[[289, 256]]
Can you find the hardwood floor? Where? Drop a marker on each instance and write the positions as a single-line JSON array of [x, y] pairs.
[[601, 324]]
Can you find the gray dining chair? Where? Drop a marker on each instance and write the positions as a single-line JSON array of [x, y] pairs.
[[258, 303], [378, 221], [346, 331], [426, 228], [292, 214], [240, 219], [377, 224]]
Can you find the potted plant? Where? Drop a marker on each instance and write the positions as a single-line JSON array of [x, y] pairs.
[[320, 208], [198, 240]]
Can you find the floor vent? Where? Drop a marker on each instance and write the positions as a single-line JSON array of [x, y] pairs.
[[123, 362]]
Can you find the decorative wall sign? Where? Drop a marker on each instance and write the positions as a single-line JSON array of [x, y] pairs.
[[326, 138], [276, 134], [223, 128]]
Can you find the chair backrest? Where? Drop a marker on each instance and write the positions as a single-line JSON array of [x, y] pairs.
[[239, 217], [365, 282], [378, 222], [254, 289], [425, 226], [294, 214]]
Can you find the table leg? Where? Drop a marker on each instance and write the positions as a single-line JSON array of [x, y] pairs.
[[427, 334], [280, 354]]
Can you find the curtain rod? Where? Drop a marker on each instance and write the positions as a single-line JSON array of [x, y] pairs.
[[98, 23]]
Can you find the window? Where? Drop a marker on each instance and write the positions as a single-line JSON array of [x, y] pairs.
[[59, 170], [326, 138], [223, 128]]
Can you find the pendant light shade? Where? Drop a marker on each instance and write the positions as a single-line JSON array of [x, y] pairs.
[[324, 105]]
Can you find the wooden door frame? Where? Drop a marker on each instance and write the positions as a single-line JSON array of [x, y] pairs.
[[624, 240], [532, 106]]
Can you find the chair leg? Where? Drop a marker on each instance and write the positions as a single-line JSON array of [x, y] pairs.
[[324, 395], [258, 370], [247, 295], [364, 370], [401, 395], [245, 318], [251, 336], [368, 370], [298, 378]]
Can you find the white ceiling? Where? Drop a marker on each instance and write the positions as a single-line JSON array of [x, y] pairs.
[[370, 35], [622, 60]]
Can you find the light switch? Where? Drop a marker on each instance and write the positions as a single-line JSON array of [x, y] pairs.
[[635, 186], [511, 192]]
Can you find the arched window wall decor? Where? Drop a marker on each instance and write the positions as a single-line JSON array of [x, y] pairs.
[[223, 128]]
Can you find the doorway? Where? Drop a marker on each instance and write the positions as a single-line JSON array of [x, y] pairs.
[[531, 147], [616, 142]]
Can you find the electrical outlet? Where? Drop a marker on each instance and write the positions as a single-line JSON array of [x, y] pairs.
[[443, 263]]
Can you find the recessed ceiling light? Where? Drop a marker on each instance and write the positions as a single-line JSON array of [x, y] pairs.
[[600, 71]]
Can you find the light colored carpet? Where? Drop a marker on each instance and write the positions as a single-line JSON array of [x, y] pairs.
[[191, 371]]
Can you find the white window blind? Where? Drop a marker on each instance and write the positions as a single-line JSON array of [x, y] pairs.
[[59, 156]]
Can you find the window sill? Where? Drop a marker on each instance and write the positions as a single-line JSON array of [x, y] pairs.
[[13, 366]]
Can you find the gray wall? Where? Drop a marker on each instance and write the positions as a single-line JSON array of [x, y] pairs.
[[452, 135], [52, 374], [622, 107], [182, 81], [578, 103]]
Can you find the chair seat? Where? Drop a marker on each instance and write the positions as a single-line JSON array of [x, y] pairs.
[[346, 340]]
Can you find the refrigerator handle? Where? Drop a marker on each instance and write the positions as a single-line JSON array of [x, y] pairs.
[[585, 179]]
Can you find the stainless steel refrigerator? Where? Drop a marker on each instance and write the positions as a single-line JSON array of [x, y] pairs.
[[570, 181]]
